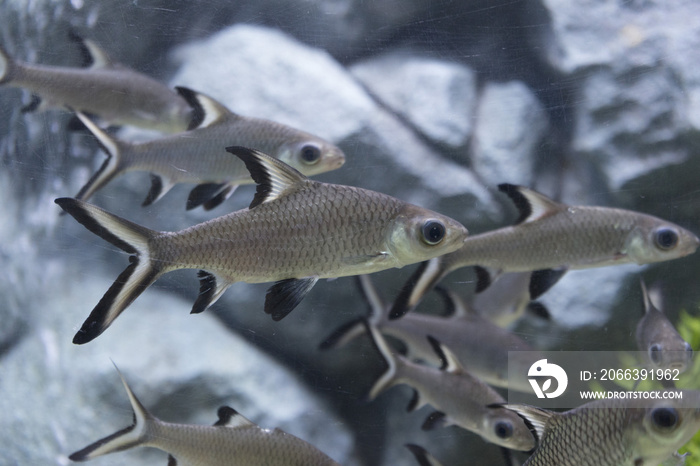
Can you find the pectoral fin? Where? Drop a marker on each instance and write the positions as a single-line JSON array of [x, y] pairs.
[[285, 295]]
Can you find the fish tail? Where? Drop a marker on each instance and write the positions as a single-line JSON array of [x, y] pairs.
[[124, 439], [113, 166], [418, 285], [142, 271], [390, 376], [6, 65]]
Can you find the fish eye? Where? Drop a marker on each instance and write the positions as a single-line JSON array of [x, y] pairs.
[[665, 238], [665, 418], [655, 353], [688, 349], [310, 154], [433, 232], [503, 429]]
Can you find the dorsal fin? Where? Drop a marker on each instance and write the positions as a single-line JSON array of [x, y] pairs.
[[206, 111], [531, 204], [273, 177], [92, 54], [449, 361], [535, 418], [229, 417]]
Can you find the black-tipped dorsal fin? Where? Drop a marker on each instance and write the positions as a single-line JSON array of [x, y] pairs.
[[273, 177], [206, 111], [92, 54], [449, 361], [531, 204], [535, 418], [229, 417], [285, 295]]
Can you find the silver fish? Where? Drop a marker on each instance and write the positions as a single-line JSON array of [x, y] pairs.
[[232, 441], [659, 339], [294, 232], [472, 338], [196, 156], [550, 238], [611, 433], [459, 398], [115, 93]]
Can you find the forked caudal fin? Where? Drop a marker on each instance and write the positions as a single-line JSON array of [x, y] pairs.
[[124, 439], [139, 275]]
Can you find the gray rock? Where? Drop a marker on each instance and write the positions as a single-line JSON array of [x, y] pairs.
[[437, 97], [637, 79], [510, 125], [182, 367]]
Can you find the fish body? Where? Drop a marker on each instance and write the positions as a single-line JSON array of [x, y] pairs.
[[459, 398], [295, 231], [197, 156], [232, 441], [110, 90], [659, 339], [550, 238], [473, 340], [611, 433]]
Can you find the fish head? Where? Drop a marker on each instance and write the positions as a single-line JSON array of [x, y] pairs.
[[311, 156], [505, 428], [419, 234], [663, 345], [655, 240], [666, 425]]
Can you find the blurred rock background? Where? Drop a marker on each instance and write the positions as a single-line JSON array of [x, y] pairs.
[[435, 102]]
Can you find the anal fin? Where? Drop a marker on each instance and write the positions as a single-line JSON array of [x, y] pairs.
[[542, 280], [211, 288], [285, 295]]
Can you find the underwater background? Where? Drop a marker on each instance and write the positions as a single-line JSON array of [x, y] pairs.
[[433, 102]]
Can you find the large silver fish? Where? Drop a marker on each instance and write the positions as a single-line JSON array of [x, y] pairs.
[[295, 231], [115, 93], [459, 398], [659, 339], [196, 156], [473, 339], [232, 441], [550, 238], [611, 433]]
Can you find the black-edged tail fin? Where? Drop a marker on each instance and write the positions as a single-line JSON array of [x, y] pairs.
[[139, 275], [112, 167], [418, 285], [124, 439]]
